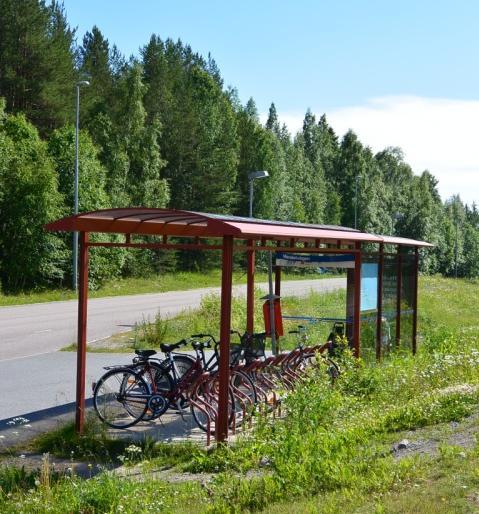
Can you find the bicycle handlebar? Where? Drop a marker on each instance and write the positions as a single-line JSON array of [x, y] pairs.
[[201, 336], [199, 345]]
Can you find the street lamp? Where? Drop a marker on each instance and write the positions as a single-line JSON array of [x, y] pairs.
[[251, 177], [358, 177], [394, 219], [75, 185]]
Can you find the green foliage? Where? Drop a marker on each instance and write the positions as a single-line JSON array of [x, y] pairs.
[[16, 479], [331, 449], [37, 62], [151, 334], [93, 445], [29, 256], [92, 175], [162, 131]]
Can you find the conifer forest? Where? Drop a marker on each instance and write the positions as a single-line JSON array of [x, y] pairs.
[[162, 129]]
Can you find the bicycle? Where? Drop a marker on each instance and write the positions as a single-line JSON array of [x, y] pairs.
[[122, 397], [309, 355]]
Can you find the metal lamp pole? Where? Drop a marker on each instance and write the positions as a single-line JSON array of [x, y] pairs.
[[251, 177], [356, 201], [394, 219], [75, 184]]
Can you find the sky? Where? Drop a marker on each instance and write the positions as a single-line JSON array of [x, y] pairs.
[[397, 73]]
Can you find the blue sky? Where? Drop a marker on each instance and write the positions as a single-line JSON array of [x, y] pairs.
[[398, 73]]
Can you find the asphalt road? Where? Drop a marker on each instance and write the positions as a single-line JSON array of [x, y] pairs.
[[35, 329], [36, 379]]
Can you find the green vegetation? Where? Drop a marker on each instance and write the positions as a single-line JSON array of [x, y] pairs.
[[332, 453], [161, 129], [436, 316], [150, 333], [448, 304]]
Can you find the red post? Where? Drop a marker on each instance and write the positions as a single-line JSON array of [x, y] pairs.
[[250, 288], [414, 299], [81, 338], [225, 327], [277, 280], [357, 301], [398, 297], [379, 326]]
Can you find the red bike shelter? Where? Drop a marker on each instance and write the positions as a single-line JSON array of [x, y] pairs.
[[395, 259]]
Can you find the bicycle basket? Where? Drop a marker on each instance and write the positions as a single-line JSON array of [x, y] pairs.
[[253, 345]]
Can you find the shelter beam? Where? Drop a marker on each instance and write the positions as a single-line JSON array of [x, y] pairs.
[[82, 334], [251, 255], [357, 302], [398, 297], [379, 326], [414, 299], [277, 280], [225, 327]]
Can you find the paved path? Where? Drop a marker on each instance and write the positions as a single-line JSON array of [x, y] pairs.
[[28, 330]]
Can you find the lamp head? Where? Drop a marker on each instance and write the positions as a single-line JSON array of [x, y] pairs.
[[83, 83], [257, 174]]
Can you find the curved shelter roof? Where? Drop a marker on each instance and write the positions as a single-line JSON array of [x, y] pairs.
[[153, 221]]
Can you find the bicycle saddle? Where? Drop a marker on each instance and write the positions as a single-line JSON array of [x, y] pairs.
[[145, 353], [167, 348]]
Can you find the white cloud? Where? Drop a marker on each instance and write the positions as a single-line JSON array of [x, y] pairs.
[[440, 135]]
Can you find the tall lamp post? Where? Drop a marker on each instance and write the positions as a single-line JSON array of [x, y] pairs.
[[394, 219], [358, 177], [251, 177], [75, 184]]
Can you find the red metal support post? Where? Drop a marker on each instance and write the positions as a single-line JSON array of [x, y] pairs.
[[225, 327], [82, 333], [250, 254], [414, 299], [277, 280], [357, 302], [379, 321], [398, 297]]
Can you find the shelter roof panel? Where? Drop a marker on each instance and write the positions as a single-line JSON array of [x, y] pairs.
[[153, 221], [251, 230], [392, 240]]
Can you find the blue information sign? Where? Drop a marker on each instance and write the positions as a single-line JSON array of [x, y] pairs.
[[369, 286], [314, 260]]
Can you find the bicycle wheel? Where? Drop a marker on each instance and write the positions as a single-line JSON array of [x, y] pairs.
[[245, 394], [183, 364], [121, 398], [160, 383], [206, 394]]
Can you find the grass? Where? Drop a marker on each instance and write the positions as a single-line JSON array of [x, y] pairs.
[[444, 305], [330, 454], [447, 303], [150, 333], [178, 281]]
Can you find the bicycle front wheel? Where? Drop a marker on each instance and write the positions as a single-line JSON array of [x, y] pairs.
[[121, 398]]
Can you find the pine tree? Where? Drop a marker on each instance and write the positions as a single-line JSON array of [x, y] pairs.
[[328, 149], [272, 123], [37, 74], [95, 66]]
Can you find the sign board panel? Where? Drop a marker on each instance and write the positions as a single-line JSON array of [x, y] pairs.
[[314, 260], [369, 286]]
